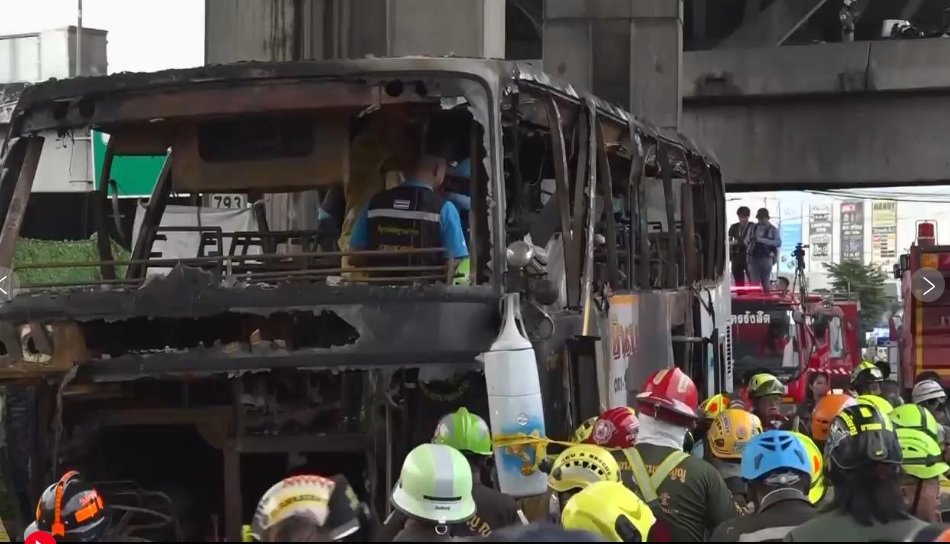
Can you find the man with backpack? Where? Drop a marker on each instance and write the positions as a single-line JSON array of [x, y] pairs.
[[686, 494]]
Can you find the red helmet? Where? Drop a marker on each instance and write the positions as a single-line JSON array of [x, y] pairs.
[[671, 391], [616, 428]]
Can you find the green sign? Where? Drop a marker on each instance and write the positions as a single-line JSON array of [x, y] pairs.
[[135, 175]]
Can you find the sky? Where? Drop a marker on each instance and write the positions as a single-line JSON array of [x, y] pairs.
[[144, 35]]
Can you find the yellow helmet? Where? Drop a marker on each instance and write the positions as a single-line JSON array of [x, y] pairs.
[[764, 385], [581, 465], [714, 405], [878, 402], [923, 456], [913, 416], [611, 510], [817, 461], [731, 431], [582, 433]]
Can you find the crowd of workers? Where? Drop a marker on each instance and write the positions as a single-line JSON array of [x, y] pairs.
[[849, 467]]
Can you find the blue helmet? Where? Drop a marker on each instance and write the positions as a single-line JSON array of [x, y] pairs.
[[773, 450]]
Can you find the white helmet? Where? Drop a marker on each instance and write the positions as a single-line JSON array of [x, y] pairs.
[[928, 390]]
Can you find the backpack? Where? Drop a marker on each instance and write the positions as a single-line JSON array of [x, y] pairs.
[[647, 486]]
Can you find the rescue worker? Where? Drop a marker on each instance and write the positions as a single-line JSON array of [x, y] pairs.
[[778, 471], [469, 434], [867, 378], [730, 433], [863, 459], [611, 510], [711, 408], [918, 417], [819, 384], [931, 395], [687, 495], [414, 215], [913, 416], [878, 402], [765, 393], [923, 466], [891, 391], [310, 508], [825, 412], [818, 492], [615, 429], [71, 510], [576, 468], [434, 492]]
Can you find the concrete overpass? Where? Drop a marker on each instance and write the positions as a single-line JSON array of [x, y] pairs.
[[829, 115], [866, 113]]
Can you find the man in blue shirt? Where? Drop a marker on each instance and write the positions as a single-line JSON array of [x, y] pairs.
[[762, 243], [414, 215]]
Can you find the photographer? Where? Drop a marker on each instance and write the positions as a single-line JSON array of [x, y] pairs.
[[763, 242]]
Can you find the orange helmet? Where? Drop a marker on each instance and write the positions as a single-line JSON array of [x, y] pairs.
[[825, 411]]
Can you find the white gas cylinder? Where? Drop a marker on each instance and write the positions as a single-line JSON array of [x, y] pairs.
[[514, 400]]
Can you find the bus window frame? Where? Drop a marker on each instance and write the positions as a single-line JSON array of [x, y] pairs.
[[572, 263]]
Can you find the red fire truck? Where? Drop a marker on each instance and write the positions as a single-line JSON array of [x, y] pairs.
[[775, 332], [924, 330]]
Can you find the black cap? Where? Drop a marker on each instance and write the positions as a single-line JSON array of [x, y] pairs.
[[762, 214]]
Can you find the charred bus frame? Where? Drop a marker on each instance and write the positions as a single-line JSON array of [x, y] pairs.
[[597, 152]]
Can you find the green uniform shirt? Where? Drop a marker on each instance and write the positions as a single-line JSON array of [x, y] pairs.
[[837, 527], [694, 496]]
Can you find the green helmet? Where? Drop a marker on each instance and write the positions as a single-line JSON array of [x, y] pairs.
[[435, 485], [923, 458], [912, 416], [465, 432]]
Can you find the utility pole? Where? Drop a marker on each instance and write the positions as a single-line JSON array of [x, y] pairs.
[[79, 42]]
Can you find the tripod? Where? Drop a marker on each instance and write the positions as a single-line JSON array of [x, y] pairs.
[[800, 282]]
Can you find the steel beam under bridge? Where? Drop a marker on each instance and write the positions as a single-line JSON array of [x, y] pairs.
[[823, 116]]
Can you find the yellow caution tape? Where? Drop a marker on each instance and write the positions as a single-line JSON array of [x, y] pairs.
[[518, 444]]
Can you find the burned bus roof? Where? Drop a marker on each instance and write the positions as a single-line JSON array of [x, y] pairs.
[[83, 92]]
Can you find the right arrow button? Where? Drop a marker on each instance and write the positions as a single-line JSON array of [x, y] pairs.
[[927, 284]]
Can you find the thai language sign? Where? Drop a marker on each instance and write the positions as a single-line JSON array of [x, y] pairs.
[[852, 231], [820, 234]]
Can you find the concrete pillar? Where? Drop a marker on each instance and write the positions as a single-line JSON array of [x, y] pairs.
[[321, 29], [242, 30], [625, 51], [471, 28], [656, 57]]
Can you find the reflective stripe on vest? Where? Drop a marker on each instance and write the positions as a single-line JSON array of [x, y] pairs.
[[649, 484], [412, 215]]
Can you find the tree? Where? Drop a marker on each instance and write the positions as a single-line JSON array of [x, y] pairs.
[[865, 282]]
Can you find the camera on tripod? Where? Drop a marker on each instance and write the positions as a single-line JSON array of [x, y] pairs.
[[799, 254]]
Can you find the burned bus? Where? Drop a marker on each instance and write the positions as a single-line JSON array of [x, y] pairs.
[[203, 354]]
